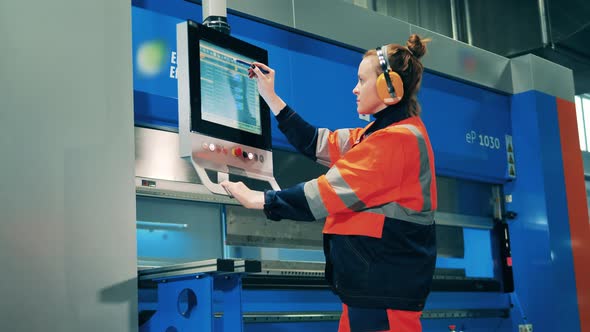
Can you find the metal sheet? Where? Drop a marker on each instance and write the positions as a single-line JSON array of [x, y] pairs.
[[316, 269], [183, 270], [292, 269], [252, 228], [212, 264], [204, 266]]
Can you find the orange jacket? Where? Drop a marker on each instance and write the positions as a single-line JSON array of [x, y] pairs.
[[378, 198], [388, 174]]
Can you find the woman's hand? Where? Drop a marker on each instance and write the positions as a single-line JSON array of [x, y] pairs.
[[248, 198], [266, 86]]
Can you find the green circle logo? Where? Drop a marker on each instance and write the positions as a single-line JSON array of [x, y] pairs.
[[151, 57]]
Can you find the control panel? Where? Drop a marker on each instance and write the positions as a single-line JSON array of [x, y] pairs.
[[230, 157]]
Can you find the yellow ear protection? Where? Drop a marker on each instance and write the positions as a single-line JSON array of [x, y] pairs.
[[389, 83]]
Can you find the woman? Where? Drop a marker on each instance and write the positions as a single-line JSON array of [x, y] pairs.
[[378, 197]]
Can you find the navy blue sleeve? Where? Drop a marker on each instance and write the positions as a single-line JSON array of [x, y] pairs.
[[288, 203], [302, 135]]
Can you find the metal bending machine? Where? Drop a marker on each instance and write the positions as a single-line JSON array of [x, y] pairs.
[[207, 264]]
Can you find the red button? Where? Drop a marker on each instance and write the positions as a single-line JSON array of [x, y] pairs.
[[236, 152]]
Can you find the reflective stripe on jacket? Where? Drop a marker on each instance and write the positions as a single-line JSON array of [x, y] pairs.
[[388, 174]]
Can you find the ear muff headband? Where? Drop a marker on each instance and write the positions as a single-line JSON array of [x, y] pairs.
[[390, 87], [384, 62]]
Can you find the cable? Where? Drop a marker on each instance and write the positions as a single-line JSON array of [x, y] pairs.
[[514, 296]]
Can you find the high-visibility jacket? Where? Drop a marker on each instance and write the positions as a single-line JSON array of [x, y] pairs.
[[390, 174], [378, 199]]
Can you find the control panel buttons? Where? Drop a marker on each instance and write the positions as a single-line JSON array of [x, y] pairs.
[[212, 147], [236, 152]]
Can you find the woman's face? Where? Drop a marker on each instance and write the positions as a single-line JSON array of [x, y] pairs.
[[367, 99]]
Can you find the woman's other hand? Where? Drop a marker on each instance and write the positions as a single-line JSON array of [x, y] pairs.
[[250, 199]]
